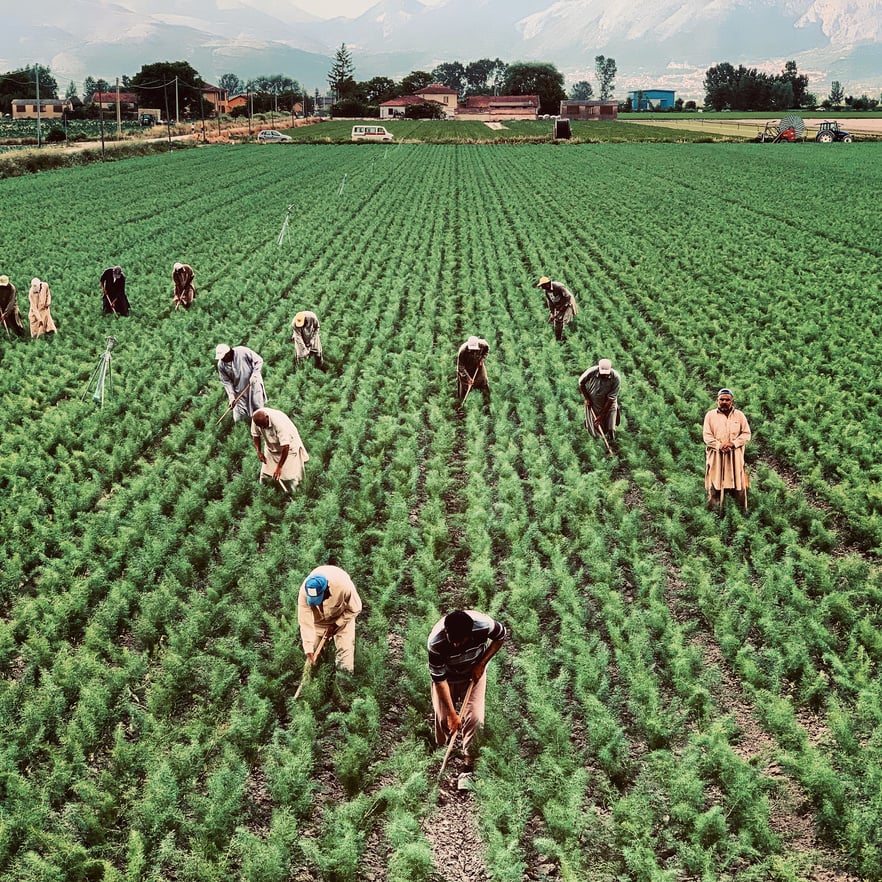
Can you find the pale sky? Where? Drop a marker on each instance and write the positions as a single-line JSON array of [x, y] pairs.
[[346, 8]]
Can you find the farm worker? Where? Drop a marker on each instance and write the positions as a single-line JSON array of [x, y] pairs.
[[328, 602], [306, 338], [460, 646], [239, 370], [39, 298], [113, 291], [9, 314], [726, 431], [182, 276], [560, 302], [470, 369], [278, 447], [599, 386]]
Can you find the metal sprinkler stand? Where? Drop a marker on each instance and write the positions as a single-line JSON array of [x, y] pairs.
[[101, 376]]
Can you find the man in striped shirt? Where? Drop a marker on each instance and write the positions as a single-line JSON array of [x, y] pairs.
[[460, 646]]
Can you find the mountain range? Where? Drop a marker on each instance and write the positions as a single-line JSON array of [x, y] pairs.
[[659, 44]]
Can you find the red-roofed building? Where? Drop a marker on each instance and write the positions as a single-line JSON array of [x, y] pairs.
[[498, 107], [128, 102], [396, 107]]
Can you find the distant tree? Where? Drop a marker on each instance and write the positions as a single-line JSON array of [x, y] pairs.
[[172, 86], [414, 81], [837, 94], [690, 105], [862, 103], [606, 70], [798, 82], [536, 78], [582, 91], [350, 108], [340, 76], [718, 86], [231, 83], [485, 76], [274, 93], [377, 90], [90, 85], [452, 75], [782, 95], [424, 110], [71, 91], [22, 83]]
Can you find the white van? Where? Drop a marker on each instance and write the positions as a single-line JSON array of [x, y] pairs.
[[371, 133]]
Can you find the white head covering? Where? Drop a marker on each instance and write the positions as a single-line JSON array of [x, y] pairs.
[[220, 351], [473, 343], [604, 366]]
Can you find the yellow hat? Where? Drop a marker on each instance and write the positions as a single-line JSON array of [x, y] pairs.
[[4, 281], [300, 320], [543, 281]]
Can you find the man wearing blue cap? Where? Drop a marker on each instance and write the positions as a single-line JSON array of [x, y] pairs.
[[328, 603], [725, 431]]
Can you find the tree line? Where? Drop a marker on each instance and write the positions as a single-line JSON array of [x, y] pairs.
[[486, 76]]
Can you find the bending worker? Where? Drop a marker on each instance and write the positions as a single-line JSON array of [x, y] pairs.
[[239, 369], [599, 386], [471, 371], [328, 602], [460, 646], [279, 448], [306, 337]]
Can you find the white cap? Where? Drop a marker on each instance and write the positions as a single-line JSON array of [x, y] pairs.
[[473, 343], [604, 366], [220, 351]]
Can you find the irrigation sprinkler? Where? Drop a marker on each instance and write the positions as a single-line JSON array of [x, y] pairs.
[[285, 225], [342, 185], [101, 376]]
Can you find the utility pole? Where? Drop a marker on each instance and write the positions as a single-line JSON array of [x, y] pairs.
[[118, 114], [177, 107], [39, 123]]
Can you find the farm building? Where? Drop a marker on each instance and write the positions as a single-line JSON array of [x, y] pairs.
[[396, 107], [128, 102], [495, 107], [436, 93], [217, 98], [50, 108], [652, 99], [595, 110]]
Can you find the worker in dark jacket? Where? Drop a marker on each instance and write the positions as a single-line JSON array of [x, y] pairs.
[[113, 291], [599, 386], [9, 313], [471, 372], [561, 304]]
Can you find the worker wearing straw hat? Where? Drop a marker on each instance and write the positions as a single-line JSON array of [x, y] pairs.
[[560, 302], [306, 337]]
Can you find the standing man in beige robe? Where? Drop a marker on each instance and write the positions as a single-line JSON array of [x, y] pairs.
[[279, 448], [40, 298], [726, 431], [328, 602]]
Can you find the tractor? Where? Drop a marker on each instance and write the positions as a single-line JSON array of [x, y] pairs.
[[788, 128], [828, 132]]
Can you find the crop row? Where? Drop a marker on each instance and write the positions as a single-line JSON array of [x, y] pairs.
[[148, 640]]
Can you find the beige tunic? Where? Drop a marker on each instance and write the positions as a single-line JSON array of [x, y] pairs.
[[341, 608], [39, 316], [725, 470], [279, 433]]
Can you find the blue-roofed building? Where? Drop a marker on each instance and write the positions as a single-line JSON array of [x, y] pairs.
[[652, 99]]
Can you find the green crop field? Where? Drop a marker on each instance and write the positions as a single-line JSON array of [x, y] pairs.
[[685, 695]]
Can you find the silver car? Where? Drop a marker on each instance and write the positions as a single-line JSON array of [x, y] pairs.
[[270, 136]]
